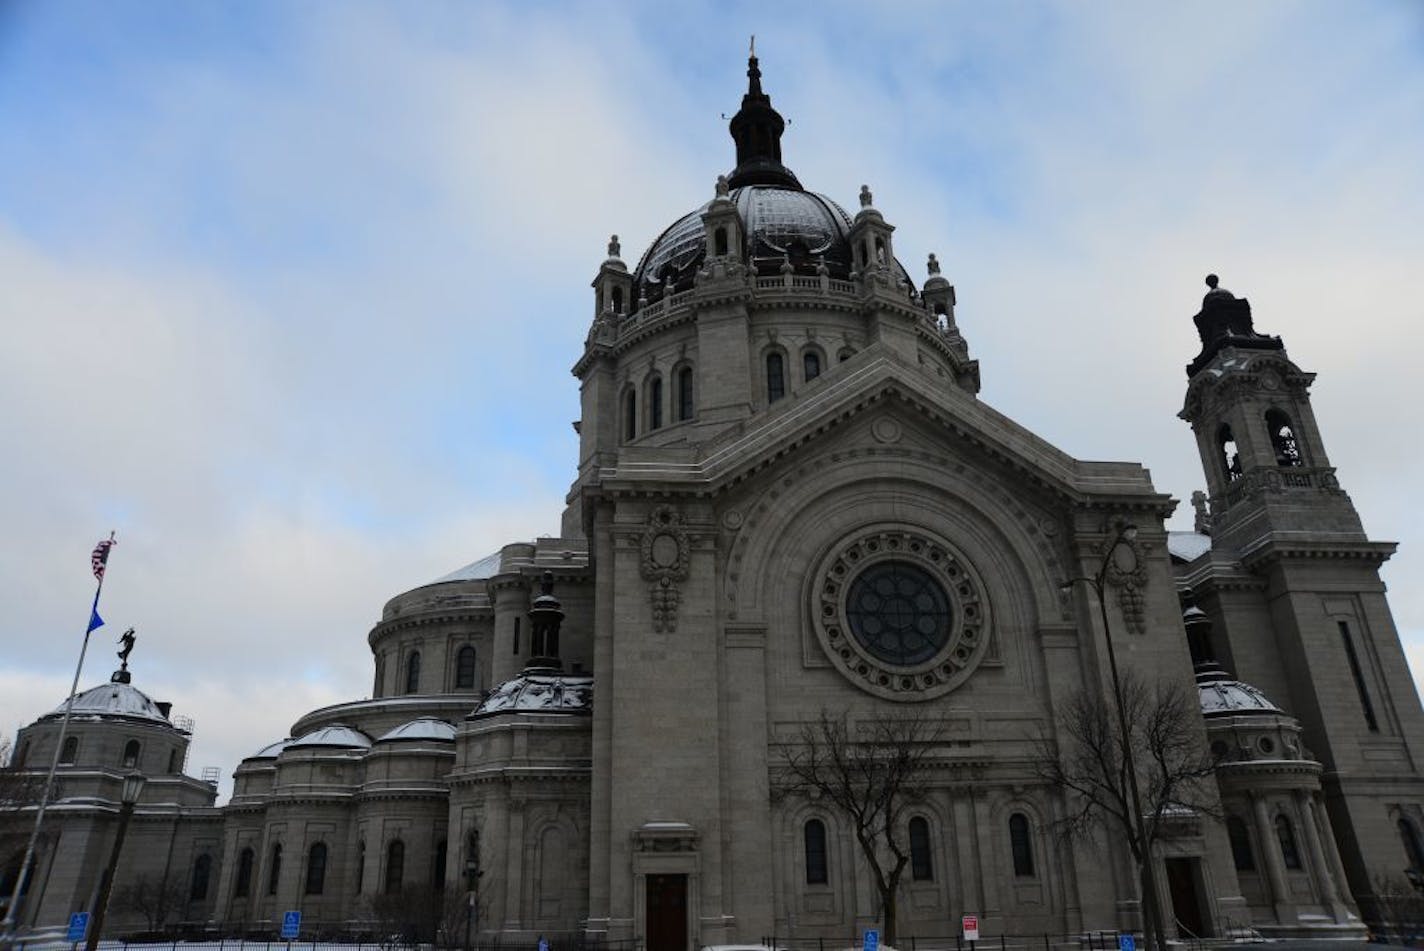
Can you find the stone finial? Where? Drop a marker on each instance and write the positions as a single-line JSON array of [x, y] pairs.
[[614, 248], [865, 197], [1202, 522], [933, 265], [786, 267], [723, 189], [821, 268]]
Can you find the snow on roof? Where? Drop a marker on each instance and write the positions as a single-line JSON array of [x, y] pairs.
[[424, 728], [544, 693], [486, 567], [114, 700], [271, 750], [1188, 546], [335, 735]]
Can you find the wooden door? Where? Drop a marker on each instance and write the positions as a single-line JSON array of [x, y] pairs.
[[667, 913]]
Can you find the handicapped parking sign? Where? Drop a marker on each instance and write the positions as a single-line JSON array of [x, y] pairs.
[[872, 940], [1126, 942], [291, 924], [78, 925]]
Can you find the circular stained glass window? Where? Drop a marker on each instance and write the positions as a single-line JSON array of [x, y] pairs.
[[899, 613]]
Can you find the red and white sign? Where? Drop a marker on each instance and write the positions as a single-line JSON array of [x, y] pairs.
[[971, 927]]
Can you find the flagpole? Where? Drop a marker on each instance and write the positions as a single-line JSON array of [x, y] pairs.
[[9, 925]]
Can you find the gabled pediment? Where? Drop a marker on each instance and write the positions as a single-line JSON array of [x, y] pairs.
[[878, 380]]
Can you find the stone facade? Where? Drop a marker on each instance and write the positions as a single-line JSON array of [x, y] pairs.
[[774, 422]]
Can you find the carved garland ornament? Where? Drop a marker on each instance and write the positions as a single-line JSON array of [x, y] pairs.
[[900, 614], [1129, 575], [665, 557]]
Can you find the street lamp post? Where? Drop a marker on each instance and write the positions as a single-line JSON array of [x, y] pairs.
[[128, 797], [472, 888], [1151, 914]]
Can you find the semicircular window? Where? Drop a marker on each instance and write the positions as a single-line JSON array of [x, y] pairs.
[[899, 613]]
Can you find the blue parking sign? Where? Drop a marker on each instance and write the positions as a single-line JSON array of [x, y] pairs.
[[1126, 942], [291, 924], [872, 940], [78, 925]]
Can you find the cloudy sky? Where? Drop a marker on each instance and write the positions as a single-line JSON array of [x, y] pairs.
[[289, 292]]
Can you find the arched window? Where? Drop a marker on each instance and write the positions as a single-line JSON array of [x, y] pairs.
[[131, 751], [316, 869], [811, 365], [1283, 439], [437, 874], [472, 860], [618, 300], [70, 752], [202, 871], [879, 250], [360, 865], [775, 377], [684, 393], [172, 762], [655, 403], [23, 755], [1230, 456], [1412, 846], [395, 866], [274, 874], [244, 873], [921, 867], [465, 668], [630, 415], [1286, 833], [1240, 838], [1021, 844], [412, 672], [815, 834], [719, 242]]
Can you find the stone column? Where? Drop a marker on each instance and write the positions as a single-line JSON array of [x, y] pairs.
[[1319, 870], [1275, 863], [1332, 885]]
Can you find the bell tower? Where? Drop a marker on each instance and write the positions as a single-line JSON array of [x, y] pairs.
[[1292, 582], [1262, 454]]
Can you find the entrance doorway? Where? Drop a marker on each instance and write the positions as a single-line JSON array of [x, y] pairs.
[[667, 913], [1182, 878]]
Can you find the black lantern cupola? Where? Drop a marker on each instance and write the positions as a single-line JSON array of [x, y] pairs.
[[757, 128]]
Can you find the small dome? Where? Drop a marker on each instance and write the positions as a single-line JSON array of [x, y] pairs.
[[271, 750], [1221, 696], [425, 728], [336, 735], [114, 700], [780, 224], [539, 693]]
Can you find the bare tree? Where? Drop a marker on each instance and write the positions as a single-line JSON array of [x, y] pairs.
[[153, 898], [19, 795], [418, 914], [870, 775], [1399, 907], [1087, 762]]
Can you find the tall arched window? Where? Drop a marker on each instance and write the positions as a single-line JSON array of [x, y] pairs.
[[1283, 439], [202, 871], [921, 866], [395, 866], [811, 365], [316, 869], [131, 751], [1228, 453], [630, 415], [618, 300], [1021, 844], [815, 835], [655, 403], [719, 242], [360, 865], [465, 668], [70, 752], [172, 762], [775, 377], [684, 393], [1286, 833], [274, 874], [1413, 847], [1240, 838], [437, 874], [244, 873], [23, 755], [412, 672]]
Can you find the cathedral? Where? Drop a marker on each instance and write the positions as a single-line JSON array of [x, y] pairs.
[[789, 499]]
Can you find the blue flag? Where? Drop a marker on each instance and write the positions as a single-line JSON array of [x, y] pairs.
[[94, 620]]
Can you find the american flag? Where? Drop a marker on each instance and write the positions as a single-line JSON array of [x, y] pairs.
[[100, 557]]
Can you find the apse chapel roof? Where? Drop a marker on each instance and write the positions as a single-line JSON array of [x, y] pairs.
[[337, 735], [114, 699], [423, 729]]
